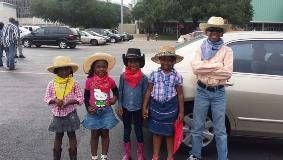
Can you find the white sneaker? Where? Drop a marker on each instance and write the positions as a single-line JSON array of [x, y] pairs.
[[104, 157], [192, 157], [94, 157]]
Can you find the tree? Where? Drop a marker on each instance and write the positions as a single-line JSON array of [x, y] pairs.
[[80, 13], [237, 12]]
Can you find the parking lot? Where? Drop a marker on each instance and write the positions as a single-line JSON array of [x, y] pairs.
[[24, 118]]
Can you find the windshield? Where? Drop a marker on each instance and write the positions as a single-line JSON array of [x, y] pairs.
[[189, 42]]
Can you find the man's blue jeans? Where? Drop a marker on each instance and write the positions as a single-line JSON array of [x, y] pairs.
[[1, 55], [217, 101], [11, 56]]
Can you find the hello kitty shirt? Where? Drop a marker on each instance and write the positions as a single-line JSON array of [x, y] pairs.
[[99, 88]]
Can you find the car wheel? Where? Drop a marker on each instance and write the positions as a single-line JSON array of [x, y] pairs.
[[94, 42], [208, 133], [72, 45], [38, 45], [63, 44], [113, 40], [27, 43]]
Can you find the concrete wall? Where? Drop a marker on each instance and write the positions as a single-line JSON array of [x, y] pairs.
[[7, 10], [129, 28], [35, 22]]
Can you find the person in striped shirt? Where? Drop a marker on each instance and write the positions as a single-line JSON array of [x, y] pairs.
[[9, 40], [213, 66]]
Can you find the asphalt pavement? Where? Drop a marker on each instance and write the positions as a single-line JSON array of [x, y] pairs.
[[24, 117]]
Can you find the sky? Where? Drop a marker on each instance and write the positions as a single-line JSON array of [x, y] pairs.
[[125, 2]]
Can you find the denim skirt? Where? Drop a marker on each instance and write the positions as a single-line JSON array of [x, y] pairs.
[[68, 123], [162, 116], [102, 119]]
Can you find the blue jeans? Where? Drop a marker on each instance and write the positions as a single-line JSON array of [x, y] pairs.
[[11, 56], [217, 101], [1, 55], [127, 120]]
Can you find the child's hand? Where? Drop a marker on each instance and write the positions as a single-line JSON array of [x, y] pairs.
[[120, 111], [70, 102], [180, 116], [113, 101], [145, 113], [59, 103], [91, 109]]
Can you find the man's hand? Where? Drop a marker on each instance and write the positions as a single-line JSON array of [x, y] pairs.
[[120, 111]]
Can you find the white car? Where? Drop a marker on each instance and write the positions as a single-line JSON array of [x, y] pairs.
[[254, 93], [24, 31], [87, 38], [31, 28]]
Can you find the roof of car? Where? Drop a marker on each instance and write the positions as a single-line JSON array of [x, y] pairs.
[[252, 35]]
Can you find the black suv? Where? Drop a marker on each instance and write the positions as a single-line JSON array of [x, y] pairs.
[[55, 36]]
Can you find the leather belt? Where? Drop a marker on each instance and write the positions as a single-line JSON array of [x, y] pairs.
[[209, 88]]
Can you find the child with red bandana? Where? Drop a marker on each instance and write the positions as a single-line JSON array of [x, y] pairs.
[[132, 88]]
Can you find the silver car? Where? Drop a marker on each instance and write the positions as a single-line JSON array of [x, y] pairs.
[[254, 93]]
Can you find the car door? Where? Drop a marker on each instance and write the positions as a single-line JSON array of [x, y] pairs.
[[256, 96], [84, 37], [38, 36]]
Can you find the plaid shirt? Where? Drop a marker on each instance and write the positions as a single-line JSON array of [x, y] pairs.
[[164, 85], [75, 94]]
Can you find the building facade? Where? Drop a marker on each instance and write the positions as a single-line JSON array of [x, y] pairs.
[[22, 7], [7, 10]]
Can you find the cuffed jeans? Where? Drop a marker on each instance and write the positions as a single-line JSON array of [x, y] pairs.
[[127, 121], [217, 101], [11, 56]]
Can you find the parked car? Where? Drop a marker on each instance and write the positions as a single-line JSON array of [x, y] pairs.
[[24, 31], [113, 37], [189, 36], [62, 36], [254, 93], [125, 36], [88, 38], [108, 39]]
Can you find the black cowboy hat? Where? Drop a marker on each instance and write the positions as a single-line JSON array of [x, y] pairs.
[[136, 54]]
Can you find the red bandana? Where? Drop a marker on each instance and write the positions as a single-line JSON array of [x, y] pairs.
[[133, 78], [103, 83]]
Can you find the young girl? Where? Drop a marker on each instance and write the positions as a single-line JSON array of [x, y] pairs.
[[166, 98], [63, 94], [100, 117], [132, 88]]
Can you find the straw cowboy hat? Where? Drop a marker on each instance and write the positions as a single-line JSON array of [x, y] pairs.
[[134, 53], [167, 51], [62, 61], [217, 22], [99, 56]]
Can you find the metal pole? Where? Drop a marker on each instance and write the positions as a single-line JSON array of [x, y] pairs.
[[122, 16]]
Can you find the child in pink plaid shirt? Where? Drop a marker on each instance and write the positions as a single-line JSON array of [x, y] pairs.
[[63, 93]]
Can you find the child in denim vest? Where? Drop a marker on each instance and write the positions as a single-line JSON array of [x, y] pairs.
[[165, 94], [63, 94], [132, 87], [100, 117]]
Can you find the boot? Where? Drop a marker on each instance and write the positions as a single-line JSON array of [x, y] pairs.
[[73, 154], [127, 151], [140, 153], [154, 157], [57, 154]]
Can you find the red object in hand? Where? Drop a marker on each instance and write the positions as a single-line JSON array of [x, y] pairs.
[[178, 135]]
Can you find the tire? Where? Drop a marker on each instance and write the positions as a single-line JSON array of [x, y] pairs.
[[113, 40], [27, 43], [94, 42], [63, 44], [38, 45], [72, 45]]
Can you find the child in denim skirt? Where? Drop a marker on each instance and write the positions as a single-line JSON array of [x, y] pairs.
[[165, 94], [63, 94], [132, 88], [100, 117]]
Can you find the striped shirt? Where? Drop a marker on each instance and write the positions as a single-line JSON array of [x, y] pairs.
[[216, 70], [75, 94], [10, 35], [164, 85]]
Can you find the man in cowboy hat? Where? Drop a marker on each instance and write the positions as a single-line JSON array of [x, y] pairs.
[[213, 66]]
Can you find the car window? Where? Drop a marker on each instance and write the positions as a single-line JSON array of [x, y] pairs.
[[39, 31], [51, 30], [63, 30], [258, 56]]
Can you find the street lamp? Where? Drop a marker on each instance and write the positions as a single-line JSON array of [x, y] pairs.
[[122, 16]]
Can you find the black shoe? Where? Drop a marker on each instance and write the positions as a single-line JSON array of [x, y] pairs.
[[16, 56], [22, 56]]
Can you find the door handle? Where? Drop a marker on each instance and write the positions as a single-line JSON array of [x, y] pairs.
[[228, 83]]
